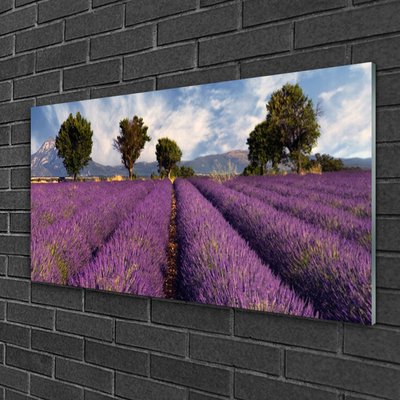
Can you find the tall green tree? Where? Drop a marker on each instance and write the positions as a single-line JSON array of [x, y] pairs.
[[168, 155], [186, 172], [131, 141], [264, 145], [328, 163], [252, 169], [74, 143], [295, 120]]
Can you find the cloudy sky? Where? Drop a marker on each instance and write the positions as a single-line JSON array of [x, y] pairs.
[[216, 118]]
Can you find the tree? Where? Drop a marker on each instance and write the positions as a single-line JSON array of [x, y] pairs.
[[174, 173], [252, 169], [131, 141], [186, 172], [168, 155], [294, 118], [264, 145], [305, 163], [328, 163], [74, 143]]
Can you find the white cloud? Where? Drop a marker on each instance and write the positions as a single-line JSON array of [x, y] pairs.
[[263, 87], [326, 96], [189, 125], [215, 118], [35, 144], [243, 110], [346, 124], [363, 67]]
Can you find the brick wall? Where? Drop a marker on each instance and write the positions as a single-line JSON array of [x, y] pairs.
[[68, 343]]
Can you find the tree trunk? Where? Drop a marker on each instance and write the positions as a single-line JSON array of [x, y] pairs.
[[130, 173], [299, 163], [74, 177], [169, 174], [263, 169]]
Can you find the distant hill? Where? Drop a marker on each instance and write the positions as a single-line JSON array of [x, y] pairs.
[[206, 164], [365, 163], [46, 163]]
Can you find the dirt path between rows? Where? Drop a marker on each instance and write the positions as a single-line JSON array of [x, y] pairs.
[[170, 289]]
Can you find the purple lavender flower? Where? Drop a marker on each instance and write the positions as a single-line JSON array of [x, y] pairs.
[[216, 266], [133, 259], [332, 272]]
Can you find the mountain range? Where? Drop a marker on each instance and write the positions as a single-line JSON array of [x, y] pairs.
[[45, 163]]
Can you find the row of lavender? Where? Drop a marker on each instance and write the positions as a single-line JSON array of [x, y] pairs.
[[349, 191], [133, 260], [114, 237], [318, 213], [345, 184], [247, 243], [216, 265], [325, 259], [101, 235]]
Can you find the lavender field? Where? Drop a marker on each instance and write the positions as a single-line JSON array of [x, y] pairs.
[[290, 244]]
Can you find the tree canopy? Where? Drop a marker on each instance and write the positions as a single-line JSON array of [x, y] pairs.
[[252, 169], [131, 141], [168, 154], [176, 172], [292, 115], [264, 145], [74, 143], [186, 172], [328, 163]]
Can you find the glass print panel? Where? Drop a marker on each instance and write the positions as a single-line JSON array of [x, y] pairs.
[[257, 193]]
